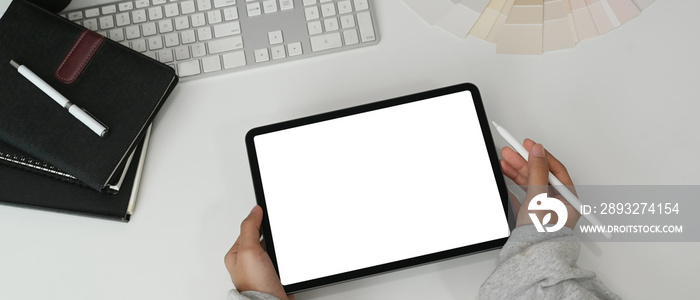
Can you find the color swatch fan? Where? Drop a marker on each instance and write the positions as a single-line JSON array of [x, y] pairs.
[[528, 26]]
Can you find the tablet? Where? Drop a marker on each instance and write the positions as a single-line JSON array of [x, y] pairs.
[[378, 187]]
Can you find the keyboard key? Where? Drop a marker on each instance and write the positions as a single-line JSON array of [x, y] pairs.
[[138, 16], [330, 24], [165, 55], [133, 32], [171, 40], [182, 53], [233, 59], [364, 21], [314, 27], [350, 37], [262, 55], [344, 7], [142, 3], [227, 29], [225, 44], [159, 2], [139, 45], [223, 3], [361, 5], [270, 6], [203, 5], [165, 26], [149, 29], [91, 24], [155, 13], [123, 19], [286, 5], [109, 9], [198, 50], [198, 20], [309, 2], [150, 54], [187, 7], [182, 23], [124, 6], [347, 21], [155, 43], [278, 52], [211, 64], [91, 13], [188, 37], [204, 33], [230, 13], [294, 49], [214, 17], [116, 35], [106, 22], [188, 68], [275, 37], [328, 10], [311, 13], [253, 9], [325, 42], [77, 15], [171, 10]]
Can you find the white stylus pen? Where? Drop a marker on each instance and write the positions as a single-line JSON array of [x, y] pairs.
[[554, 181], [73, 109]]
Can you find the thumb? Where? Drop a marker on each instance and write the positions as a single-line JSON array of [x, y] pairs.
[[538, 171], [250, 228]]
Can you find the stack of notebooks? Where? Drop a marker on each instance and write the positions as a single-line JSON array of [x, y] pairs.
[[529, 26], [51, 160]]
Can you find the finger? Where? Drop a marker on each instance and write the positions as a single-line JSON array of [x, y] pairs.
[[555, 166], [514, 159], [528, 143], [512, 173], [250, 228], [538, 171], [559, 170]]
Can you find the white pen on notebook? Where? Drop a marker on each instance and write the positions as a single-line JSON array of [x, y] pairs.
[[553, 180], [73, 109]]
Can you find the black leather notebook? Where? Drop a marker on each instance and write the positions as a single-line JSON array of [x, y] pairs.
[[29, 183], [118, 86]]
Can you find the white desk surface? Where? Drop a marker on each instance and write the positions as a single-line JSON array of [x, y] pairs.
[[620, 108]]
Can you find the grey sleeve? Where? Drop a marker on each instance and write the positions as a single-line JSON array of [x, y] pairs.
[[534, 265], [249, 295]]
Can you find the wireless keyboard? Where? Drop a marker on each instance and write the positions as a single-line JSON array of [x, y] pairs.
[[198, 38]]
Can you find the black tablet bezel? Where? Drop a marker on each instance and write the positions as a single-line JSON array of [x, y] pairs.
[[337, 278]]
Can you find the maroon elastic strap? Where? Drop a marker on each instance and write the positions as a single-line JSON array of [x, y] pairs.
[[79, 56]]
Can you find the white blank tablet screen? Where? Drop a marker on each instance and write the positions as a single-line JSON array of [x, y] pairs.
[[379, 187]]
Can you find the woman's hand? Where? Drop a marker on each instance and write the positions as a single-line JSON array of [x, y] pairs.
[[533, 175], [247, 262]]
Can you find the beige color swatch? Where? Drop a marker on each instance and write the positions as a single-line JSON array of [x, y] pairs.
[[500, 21], [558, 27], [522, 31], [488, 18]]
